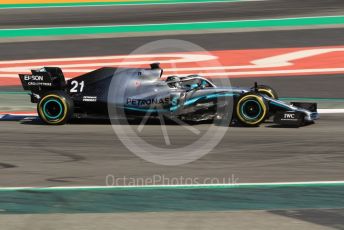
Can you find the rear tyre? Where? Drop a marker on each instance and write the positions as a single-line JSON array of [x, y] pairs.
[[251, 109], [55, 108]]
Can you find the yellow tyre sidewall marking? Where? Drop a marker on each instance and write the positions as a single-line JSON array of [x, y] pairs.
[[261, 103], [268, 92], [42, 113]]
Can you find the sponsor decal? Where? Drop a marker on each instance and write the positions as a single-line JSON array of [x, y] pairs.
[[150, 101], [33, 78], [89, 98], [289, 116], [206, 105], [175, 101], [39, 83]]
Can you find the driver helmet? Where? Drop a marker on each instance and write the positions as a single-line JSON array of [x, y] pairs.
[[175, 81]]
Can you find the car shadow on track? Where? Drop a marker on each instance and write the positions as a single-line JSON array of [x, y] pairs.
[[151, 121], [108, 122]]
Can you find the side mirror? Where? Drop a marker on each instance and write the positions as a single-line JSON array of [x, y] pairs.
[[191, 87], [197, 86]]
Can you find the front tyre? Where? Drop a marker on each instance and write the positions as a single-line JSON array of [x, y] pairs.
[[55, 108], [251, 109], [267, 90]]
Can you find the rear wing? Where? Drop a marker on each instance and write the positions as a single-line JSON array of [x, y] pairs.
[[47, 78]]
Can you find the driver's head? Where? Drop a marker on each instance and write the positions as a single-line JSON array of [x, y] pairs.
[[175, 81]]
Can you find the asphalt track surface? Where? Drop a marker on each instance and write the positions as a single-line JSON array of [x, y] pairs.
[[82, 154], [33, 154], [260, 220]]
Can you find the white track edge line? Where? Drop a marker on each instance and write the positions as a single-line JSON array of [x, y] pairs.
[[128, 4], [183, 185]]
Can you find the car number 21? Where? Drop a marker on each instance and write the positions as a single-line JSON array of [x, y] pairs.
[[77, 87]]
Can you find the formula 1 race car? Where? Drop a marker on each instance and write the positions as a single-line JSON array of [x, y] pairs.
[[139, 91]]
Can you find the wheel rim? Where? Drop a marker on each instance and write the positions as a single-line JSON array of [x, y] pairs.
[[52, 109], [251, 118], [251, 109]]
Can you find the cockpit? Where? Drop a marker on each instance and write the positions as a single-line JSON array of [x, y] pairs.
[[189, 82]]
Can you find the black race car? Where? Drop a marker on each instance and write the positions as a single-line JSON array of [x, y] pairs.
[[139, 92]]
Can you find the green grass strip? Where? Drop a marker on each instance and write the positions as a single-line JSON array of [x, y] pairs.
[[162, 199], [91, 4], [144, 28], [12, 92]]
